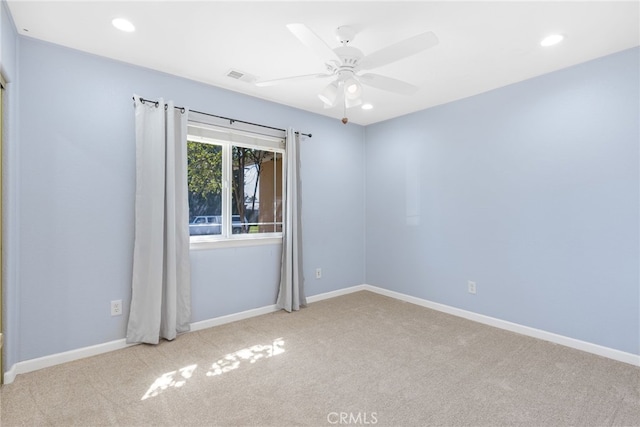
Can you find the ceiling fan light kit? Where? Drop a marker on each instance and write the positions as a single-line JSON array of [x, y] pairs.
[[329, 94], [353, 89], [345, 62]]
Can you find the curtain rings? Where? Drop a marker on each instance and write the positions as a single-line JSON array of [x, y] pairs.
[[166, 107], [157, 104], [144, 101]]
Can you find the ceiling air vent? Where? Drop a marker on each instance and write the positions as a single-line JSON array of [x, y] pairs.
[[239, 75]]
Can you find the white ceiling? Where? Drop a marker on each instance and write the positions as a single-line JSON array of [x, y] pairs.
[[483, 45]]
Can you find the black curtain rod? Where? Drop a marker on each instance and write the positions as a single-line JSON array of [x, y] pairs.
[[231, 121]]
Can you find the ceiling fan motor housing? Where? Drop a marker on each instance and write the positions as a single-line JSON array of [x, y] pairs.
[[349, 56]]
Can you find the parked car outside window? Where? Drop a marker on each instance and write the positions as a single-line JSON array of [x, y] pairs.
[[205, 225]]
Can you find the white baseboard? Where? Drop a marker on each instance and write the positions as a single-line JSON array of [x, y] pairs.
[[620, 356], [59, 358], [10, 375], [81, 353], [339, 292], [217, 321]]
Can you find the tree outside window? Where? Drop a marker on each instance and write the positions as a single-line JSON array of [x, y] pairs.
[[255, 195]]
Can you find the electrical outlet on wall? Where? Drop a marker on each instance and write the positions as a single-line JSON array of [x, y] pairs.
[[471, 287], [116, 307]]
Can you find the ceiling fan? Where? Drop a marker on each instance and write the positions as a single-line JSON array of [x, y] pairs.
[[346, 62]]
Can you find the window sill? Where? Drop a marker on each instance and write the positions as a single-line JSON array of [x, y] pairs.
[[204, 243]]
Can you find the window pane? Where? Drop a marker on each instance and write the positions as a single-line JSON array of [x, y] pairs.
[[257, 191], [205, 188]]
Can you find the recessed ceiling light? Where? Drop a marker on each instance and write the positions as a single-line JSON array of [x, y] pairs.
[[551, 40], [367, 106], [123, 25]]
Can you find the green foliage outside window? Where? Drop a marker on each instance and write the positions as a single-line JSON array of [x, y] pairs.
[[204, 178]]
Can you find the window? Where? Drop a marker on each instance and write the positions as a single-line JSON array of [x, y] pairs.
[[235, 183]]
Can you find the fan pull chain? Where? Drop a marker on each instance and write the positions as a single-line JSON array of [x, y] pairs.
[[345, 119]]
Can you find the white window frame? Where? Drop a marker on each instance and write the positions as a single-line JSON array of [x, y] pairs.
[[227, 139]]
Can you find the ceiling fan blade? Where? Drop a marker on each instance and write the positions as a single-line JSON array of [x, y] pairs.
[[313, 42], [291, 79], [399, 50], [388, 84]]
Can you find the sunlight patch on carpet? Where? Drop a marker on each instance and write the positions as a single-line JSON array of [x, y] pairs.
[[230, 362], [252, 354], [175, 379]]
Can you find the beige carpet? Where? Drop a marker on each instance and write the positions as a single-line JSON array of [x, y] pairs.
[[359, 359]]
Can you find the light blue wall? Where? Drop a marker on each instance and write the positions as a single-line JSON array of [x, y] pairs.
[[8, 67], [530, 190], [77, 181]]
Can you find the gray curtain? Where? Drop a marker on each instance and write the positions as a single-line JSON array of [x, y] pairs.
[[291, 293], [161, 288]]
